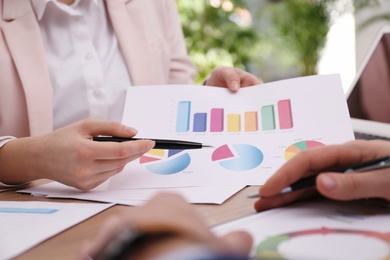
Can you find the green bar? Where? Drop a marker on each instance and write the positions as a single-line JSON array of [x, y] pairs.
[[268, 117]]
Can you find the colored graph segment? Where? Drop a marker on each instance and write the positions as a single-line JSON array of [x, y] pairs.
[[223, 152], [296, 148], [251, 123], [285, 114], [183, 116], [238, 157], [200, 122], [216, 123], [269, 248], [233, 123], [268, 118], [165, 162], [27, 210]]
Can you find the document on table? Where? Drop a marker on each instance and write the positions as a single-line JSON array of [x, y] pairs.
[[134, 197], [318, 230], [253, 132], [23, 225]]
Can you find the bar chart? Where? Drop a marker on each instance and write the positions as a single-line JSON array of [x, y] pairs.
[[267, 117]]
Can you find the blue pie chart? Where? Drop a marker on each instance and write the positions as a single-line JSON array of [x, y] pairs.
[[168, 162], [238, 157]]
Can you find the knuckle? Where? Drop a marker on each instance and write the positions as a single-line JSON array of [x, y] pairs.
[[352, 184], [122, 151]]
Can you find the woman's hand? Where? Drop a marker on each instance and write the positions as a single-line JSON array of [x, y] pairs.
[[167, 214], [326, 160], [69, 156], [231, 78]]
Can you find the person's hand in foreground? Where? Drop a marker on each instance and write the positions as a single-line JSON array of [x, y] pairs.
[[166, 214], [231, 78], [69, 156], [356, 185]]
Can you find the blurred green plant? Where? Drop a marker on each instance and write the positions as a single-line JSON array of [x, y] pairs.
[[304, 24], [220, 32], [217, 33]]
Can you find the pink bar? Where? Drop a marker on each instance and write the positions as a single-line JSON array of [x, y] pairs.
[[285, 115], [216, 120]]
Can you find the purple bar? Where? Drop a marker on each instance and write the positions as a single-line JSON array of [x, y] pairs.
[[216, 120], [200, 122]]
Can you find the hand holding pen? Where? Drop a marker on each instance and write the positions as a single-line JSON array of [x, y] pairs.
[[325, 164]]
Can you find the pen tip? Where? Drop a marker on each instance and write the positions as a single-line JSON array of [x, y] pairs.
[[207, 146], [257, 195]]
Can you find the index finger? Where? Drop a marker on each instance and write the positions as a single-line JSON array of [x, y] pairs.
[[119, 150]]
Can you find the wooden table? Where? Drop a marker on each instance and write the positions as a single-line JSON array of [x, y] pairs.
[[66, 244]]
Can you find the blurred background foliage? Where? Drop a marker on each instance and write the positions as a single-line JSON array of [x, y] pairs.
[[215, 35], [273, 39]]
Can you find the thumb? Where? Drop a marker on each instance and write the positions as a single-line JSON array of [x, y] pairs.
[[354, 185], [238, 242]]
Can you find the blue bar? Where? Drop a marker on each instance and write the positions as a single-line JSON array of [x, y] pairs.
[[200, 122], [28, 210], [183, 116]]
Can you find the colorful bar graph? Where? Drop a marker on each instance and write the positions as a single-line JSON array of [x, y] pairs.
[[251, 124], [268, 118], [285, 114], [200, 122], [263, 119], [183, 116], [216, 120], [233, 123]]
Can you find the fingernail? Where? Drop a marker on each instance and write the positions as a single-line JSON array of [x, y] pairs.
[[235, 85], [131, 130], [151, 145], [328, 182]]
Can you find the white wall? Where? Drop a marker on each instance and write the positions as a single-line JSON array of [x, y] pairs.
[[338, 55], [365, 37]]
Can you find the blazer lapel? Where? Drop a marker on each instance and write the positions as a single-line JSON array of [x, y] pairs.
[[127, 28], [25, 44]]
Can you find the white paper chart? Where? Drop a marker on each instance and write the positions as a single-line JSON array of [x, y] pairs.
[[253, 132]]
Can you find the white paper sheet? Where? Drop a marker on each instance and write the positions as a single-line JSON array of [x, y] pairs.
[[318, 230], [210, 195], [253, 131], [26, 224]]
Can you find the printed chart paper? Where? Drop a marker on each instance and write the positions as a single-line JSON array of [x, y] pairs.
[[318, 230], [253, 132], [24, 225]]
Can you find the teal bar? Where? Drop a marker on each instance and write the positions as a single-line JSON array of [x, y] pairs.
[[183, 116], [268, 118]]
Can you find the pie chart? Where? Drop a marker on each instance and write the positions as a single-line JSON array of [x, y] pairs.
[[296, 148], [325, 242], [165, 162], [238, 157]]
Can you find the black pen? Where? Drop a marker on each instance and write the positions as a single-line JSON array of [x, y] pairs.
[[160, 143], [308, 182]]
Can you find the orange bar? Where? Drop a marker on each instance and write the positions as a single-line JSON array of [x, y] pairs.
[[251, 121]]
